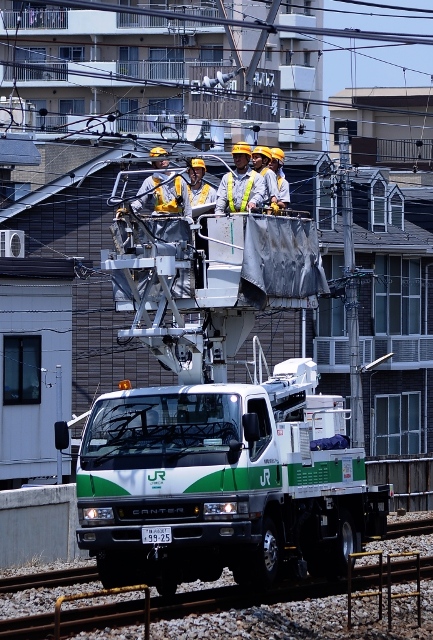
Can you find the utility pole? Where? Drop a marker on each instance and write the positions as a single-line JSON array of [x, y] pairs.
[[351, 303]]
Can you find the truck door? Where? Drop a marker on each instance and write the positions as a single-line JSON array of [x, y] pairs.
[[264, 469]]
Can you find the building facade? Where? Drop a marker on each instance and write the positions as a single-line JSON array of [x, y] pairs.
[[74, 67], [36, 376]]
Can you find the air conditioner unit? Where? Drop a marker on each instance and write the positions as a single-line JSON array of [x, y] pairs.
[[12, 244]]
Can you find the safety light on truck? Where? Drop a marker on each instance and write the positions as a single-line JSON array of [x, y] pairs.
[[125, 385]]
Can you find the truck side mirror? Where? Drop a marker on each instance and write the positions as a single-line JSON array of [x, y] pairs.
[[61, 435], [250, 423]]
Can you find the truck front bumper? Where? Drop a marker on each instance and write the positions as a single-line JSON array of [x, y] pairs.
[[183, 535]]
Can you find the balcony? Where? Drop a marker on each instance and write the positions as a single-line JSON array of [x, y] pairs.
[[128, 123], [298, 20], [94, 74], [410, 352], [130, 21], [94, 22], [297, 78], [149, 70], [299, 130], [392, 153], [36, 18]]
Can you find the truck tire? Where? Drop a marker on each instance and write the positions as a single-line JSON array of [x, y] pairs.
[[116, 570], [262, 567], [347, 543]]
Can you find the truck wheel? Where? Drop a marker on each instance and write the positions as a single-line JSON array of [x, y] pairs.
[[260, 568], [347, 542], [268, 558], [166, 586], [115, 571]]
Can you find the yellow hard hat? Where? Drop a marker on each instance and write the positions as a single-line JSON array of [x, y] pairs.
[[156, 152], [198, 162], [264, 151], [242, 147], [278, 154]]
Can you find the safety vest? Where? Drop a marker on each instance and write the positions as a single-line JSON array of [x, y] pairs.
[[279, 181], [264, 171], [172, 206], [203, 194], [246, 195]]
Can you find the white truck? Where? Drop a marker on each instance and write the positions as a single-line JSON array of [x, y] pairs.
[[175, 483]]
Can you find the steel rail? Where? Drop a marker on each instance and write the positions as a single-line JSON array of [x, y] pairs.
[[130, 612]]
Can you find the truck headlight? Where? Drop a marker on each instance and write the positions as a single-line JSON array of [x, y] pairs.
[[98, 515], [224, 510]]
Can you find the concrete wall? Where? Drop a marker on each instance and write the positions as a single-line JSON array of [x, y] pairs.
[[38, 523]]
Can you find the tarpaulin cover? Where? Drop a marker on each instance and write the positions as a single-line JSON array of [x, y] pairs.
[[281, 259]]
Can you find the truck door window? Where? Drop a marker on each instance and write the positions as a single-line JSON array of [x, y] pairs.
[[259, 406]]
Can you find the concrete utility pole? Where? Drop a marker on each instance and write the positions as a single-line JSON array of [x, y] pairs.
[[351, 294]]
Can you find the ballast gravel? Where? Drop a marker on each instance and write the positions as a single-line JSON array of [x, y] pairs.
[[318, 619]]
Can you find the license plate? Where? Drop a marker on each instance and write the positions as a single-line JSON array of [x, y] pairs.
[[156, 535]]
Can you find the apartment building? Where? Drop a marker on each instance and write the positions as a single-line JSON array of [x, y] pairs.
[[73, 67], [388, 127]]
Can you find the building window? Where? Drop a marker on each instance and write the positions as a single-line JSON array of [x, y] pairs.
[[212, 54], [397, 296], [396, 211], [398, 424], [165, 106], [378, 206], [128, 62], [73, 54], [307, 7], [72, 107], [331, 316], [268, 54], [307, 58], [130, 118], [165, 54], [32, 54], [22, 369]]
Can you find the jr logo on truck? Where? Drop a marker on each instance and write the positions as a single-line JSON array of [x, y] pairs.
[[265, 478], [157, 479]]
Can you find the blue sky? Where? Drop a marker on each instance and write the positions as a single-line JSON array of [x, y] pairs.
[[382, 66]]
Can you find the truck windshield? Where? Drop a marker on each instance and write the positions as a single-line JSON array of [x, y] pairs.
[[176, 423]]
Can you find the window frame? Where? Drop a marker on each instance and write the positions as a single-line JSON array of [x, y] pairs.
[[402, 431], [24, 342]]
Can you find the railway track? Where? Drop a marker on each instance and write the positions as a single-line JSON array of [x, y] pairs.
[[128, 612], [409, 528], [58, 578], [82, 575]]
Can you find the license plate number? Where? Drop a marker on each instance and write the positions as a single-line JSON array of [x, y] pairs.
[[156, 535]]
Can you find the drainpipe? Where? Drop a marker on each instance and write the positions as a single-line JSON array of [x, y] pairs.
[[430, 264], [303, 333]]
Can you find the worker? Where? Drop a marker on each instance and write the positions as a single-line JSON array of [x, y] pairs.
[[276, 165], [200, 192], [154, 196], [262, 157], [241, 190]]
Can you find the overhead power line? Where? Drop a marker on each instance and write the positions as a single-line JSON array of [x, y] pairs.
[[257, 25], [377, 5]]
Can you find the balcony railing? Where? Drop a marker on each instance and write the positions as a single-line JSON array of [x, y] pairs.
[[404, 150], [36, 18], [149, 70], [410, 352], [131, 21], [30, 71], [128, 123]]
